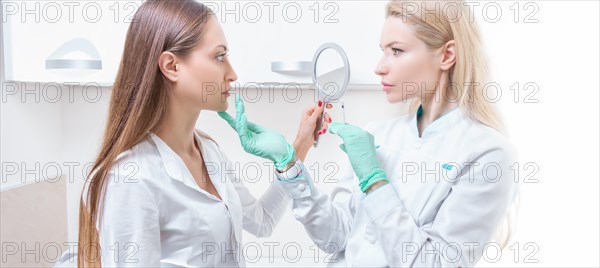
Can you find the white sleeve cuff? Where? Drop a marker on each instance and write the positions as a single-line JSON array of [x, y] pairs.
[[381, 201], [296, 182]]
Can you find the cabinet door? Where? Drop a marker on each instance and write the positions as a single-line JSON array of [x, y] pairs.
[[65, 41], [42, 37], [292, 32]]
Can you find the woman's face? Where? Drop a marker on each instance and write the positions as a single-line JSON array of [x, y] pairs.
[[205, 76], [408, 68]]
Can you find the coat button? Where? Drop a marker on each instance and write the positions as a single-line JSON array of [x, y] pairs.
[[302, 187]]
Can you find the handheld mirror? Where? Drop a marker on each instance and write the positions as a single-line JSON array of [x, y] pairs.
[[331, 73]]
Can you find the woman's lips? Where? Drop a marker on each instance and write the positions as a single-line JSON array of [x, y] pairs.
[[386, 86], [226, 92]]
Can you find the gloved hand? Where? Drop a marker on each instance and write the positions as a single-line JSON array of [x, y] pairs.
[[257, 140], [360, 147]]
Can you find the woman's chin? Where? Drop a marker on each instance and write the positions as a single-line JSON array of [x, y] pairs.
[[392, 97], [222, 107], [396, 97]]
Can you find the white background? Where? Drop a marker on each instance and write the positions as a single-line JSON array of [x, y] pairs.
[[559, 214]]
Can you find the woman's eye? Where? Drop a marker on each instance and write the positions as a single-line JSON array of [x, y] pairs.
[[397, 51], [221, 57]]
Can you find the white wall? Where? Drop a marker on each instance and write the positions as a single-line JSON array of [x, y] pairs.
[[30, 133], [31, 186], [29, 124], [559, 213], [558, 220]]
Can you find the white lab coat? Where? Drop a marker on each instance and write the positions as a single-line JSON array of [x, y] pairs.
[[431, 214], [156, 215]]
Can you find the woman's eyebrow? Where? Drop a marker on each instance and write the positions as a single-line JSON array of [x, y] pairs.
[[392, 43], [224, 47]]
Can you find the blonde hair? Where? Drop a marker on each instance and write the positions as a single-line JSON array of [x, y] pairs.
[[436, 23]]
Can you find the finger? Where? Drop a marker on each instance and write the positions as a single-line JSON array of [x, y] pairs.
[[240, 117], [243, 132], [318, 111], [328, 118], [240, 111], [329, 106], [255, 128], [340, 129], [309, 111], [239, 105], [324, 129], [229, 119], [335, 127]]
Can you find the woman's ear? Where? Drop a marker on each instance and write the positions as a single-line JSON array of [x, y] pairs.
[[167, 62], [448, 55]]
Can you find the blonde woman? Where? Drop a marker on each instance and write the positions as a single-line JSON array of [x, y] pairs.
[[430, 188], [149, 200]]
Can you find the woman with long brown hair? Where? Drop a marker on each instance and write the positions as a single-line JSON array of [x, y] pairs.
[[149, 200]]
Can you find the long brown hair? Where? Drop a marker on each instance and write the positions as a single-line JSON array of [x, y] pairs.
[[139, 99]]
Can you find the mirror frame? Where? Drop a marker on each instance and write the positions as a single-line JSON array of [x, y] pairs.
[[342, 53]]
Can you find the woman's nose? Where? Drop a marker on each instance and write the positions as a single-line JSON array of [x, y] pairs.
[[231, 75], [381, 69]]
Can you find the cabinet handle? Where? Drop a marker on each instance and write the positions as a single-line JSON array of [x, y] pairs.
[[74, 64], [56, 60], [292, 67]]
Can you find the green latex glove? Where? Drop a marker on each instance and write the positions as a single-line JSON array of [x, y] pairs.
[[258, 140], [360, 147]]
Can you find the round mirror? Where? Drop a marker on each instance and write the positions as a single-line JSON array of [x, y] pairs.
[[331, 73]]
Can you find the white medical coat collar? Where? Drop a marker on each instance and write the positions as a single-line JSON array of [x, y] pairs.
[[177, 170], [438, 126]]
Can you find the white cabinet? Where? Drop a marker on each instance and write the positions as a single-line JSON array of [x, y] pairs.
[[65, 41], [43, 36], [279, 34]]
